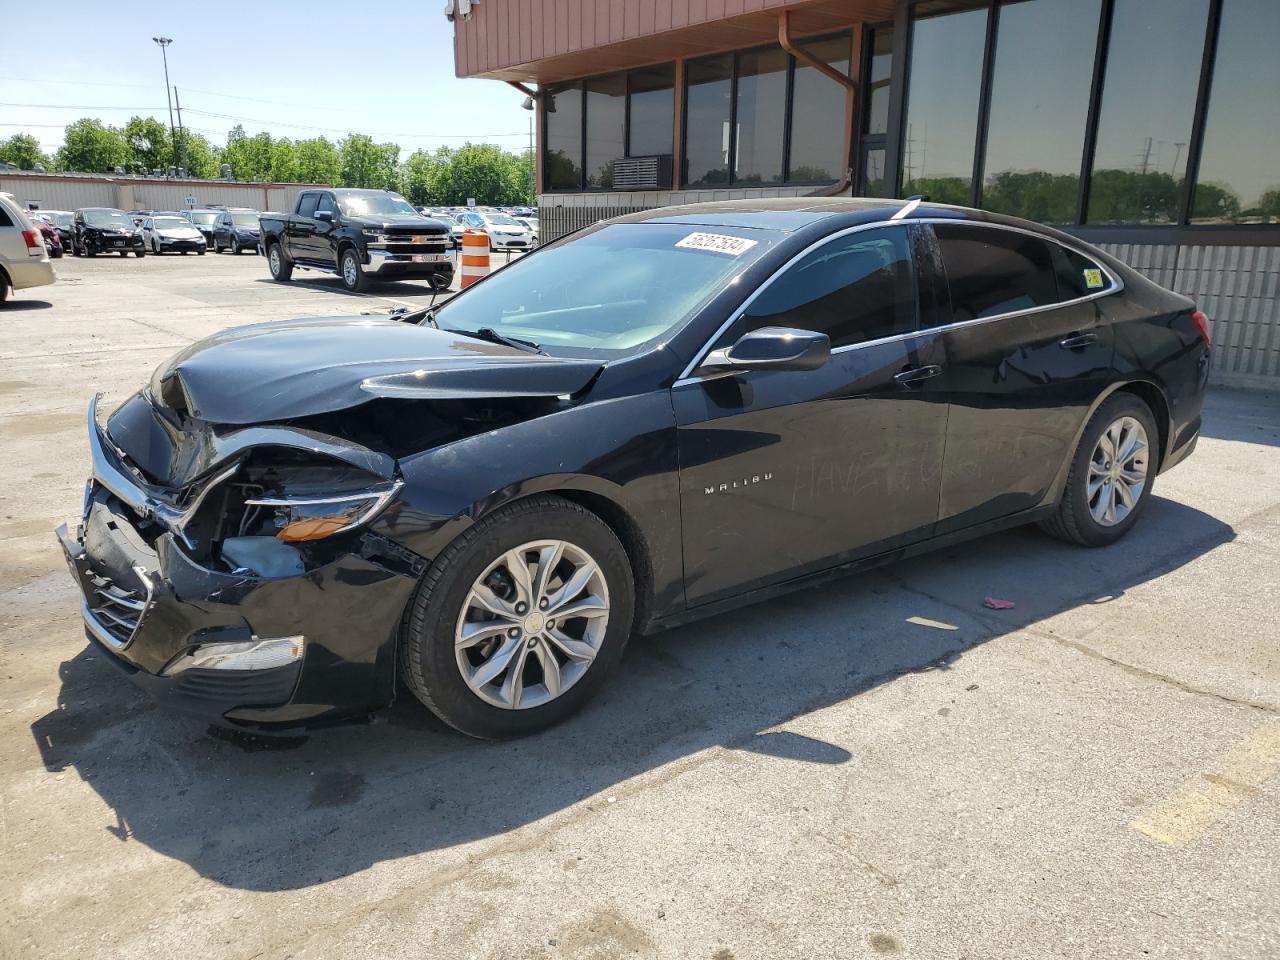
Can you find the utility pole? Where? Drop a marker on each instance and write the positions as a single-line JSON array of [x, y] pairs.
[[180, 163], [163, 44]]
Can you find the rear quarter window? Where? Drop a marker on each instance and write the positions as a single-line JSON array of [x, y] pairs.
[[1078, 275], [991, 271]]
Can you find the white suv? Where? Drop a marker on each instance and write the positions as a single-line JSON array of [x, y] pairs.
[[24, 262]]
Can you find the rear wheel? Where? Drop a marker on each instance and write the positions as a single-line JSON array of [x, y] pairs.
[[235, 247], [519, 620], [281, 269], [139, 253], [1111, 474], [353, 276]]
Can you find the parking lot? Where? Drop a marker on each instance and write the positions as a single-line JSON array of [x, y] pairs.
[[880, 766]]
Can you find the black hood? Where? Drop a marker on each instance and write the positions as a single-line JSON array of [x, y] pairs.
[[287, 369]]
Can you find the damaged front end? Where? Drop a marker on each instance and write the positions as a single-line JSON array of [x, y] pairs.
[[223, 583]]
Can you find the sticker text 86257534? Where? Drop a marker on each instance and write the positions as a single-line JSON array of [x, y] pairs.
[[716, 243]]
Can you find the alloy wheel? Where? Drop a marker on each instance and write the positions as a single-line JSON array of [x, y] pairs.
[[532, 624], [1117, 471], [275, 260], [350, 271]]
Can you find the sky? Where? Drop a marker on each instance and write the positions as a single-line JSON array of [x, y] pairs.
[[322, 68]]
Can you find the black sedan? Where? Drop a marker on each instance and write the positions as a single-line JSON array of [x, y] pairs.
[[661, 417], [106, 230]]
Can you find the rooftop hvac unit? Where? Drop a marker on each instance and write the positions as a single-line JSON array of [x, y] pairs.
[[642, 173]]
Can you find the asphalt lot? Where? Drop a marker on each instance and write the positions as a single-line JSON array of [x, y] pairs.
[[877, 767]]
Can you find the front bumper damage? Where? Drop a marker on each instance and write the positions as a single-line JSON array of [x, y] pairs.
[[267, 653]]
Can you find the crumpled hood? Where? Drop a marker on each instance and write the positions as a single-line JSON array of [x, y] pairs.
[[297, 368]]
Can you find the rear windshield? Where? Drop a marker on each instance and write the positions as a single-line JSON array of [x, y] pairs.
[[609, 292]]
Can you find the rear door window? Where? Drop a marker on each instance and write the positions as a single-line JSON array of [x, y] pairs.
[[855, 288], [991, 271]]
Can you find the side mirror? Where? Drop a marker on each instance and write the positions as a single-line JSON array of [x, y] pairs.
[[325, 215], [773, 348]]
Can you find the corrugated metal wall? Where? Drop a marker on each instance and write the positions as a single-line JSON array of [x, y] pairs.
[[71, 193], [1238, 288]]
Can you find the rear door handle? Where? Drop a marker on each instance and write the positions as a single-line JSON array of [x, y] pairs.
[[915, 374], [1078, 341]]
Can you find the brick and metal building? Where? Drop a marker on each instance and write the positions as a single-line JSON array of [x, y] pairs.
[[1150, 128]]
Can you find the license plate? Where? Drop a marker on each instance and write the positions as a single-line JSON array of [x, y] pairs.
[[429, 257], [119, 243]]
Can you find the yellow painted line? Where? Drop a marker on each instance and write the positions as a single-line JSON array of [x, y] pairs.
[[1206, 798]]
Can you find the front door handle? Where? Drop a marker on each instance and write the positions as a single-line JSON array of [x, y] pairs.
[[916, 374], [1078, 341]]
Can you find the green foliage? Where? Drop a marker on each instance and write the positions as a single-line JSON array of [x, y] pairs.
[[367, 164], [1126, 196], [197, 155], [23, 151], [1034, 194], [93, 148], [250, 157], [317, 161], [939, 189], [1269, 205], [149, 146]]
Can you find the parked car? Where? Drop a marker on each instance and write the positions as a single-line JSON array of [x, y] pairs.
[[172, 235], [203, 220], [48, 233], [237, 230], [530, 224], [64, 221], [138, 216], [454, 224], [361, 235], [106, 230], [24, 261], [657, 418], [505, 233]]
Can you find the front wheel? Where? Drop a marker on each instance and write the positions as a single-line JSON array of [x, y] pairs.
[[235, 247], [353, 276], [139, 253], [519, 621], [1111, 474], [281, 269]]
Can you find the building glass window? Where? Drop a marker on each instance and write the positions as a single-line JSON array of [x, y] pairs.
[[562, 163], [873, 173], [709, 85], [1039, 106], [652, 110], [879, 78], [817, 130], [606, 126], [1239, 177], [1148, 102], [943, 88], [855, 288], [762, 105]]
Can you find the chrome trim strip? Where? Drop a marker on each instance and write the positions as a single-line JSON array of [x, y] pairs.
[[100, 632], [380, 497], [1116, 286]]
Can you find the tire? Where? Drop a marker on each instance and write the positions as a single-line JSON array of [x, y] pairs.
[[124, 253], [235, 247], [139, 254], [200, 251], [1077, 519], [349, 269], [281, 269], [431, 664], [4, 288]]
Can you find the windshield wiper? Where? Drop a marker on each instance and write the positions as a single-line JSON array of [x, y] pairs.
[[493, 336]]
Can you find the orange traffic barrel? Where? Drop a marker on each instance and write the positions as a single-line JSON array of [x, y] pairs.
[[475, 255]]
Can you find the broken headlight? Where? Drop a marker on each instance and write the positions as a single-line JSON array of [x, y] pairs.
[[302, 518]]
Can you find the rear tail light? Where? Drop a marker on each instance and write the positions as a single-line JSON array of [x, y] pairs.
[[1202, 324], [35, 246]]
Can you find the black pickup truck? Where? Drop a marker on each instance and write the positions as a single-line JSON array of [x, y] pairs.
[[361, 235]]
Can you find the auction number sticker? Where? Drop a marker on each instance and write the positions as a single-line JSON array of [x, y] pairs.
[[716, 243], [1093, 279]]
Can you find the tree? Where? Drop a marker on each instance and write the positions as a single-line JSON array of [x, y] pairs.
[[249, 157], [284, 161], [92, 148], [197, 155], [367, 164], [23, 151], [480, 170], [317, 161], [420, 175], [149, 146]]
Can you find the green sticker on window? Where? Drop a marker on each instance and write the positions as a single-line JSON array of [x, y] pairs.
[[1093, 279]]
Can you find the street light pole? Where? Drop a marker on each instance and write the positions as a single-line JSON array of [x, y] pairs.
[[163, 43]]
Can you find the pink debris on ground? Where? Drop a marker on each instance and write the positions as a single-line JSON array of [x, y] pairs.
[[995, 603]]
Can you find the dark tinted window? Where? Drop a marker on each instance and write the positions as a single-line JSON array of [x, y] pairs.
[[562, 163], [606, 113], [1239, 179], [5, 219], [1039, 102], [992, 271], [817, 116], [706, 141], [307, 205], [762, 104], [326, 203], [856, 288], [1078, 276], [1148, 101], [942, 105], [652, 110], [879, 81]]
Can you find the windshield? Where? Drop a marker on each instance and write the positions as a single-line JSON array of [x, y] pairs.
[[107, 218], [170, 223], [244, 219], [609, 292], [203, 217], [62, 219], [502, 220], [376, 205]]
